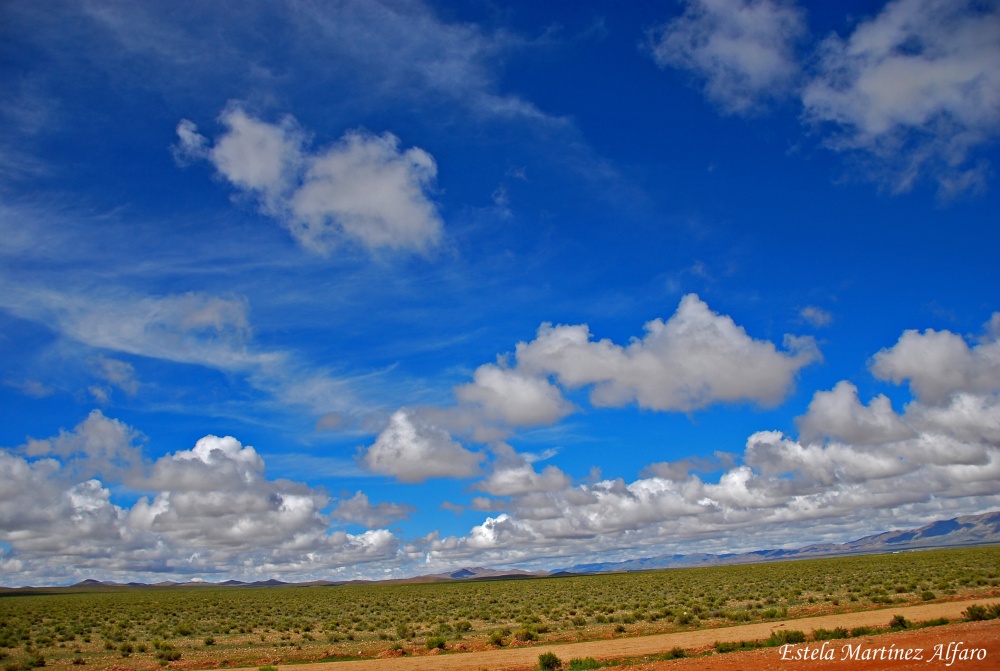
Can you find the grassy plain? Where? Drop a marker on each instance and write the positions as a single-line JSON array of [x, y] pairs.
[[205, 627]]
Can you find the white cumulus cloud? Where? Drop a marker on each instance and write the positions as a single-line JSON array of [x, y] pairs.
[[513, 397], [363, 188], [839, 414], [939, 363], [412, 450], [694, 359]]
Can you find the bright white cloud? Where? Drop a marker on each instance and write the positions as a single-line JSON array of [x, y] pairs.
[[917, 88], [694, 359], [214, 511], [98, 445], [513, 475], [744, 50], [513, 397], [939, 363], [854, 467], [412, 449], [839, 414], [362, 189]]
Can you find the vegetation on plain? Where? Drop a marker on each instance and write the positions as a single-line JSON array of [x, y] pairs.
[[211, 626]]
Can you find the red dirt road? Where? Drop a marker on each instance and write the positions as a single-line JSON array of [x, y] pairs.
[[984, 635], [867, 653]]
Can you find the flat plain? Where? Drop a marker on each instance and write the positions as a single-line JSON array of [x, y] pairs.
[[120, 628]]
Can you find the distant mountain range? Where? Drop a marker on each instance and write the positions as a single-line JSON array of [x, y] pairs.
[[967, 530], [476, 573]]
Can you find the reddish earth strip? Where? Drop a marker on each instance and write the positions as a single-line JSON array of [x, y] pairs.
[[973, 635]]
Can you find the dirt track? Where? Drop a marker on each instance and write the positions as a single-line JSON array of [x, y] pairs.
[[520, 659]]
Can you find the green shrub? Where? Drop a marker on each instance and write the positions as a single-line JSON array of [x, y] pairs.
[[937, 622], [435, 642], [975, 613], [675, 653], [496, 638], [928, 595], [547, 661], [830, 634], [899, 622], [525, 635], [731, 646], [583, 664], [167, 653], [787, 636]]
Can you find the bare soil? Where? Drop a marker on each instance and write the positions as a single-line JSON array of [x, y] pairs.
[[982, 635]]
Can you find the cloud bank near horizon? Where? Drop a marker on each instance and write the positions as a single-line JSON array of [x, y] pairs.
[[211, 510]]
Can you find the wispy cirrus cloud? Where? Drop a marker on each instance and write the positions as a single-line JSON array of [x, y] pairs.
[[911, 93], [743, 50], [192, 328], [916, 90]]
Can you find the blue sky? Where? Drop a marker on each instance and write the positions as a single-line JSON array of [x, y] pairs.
[[374, 289]]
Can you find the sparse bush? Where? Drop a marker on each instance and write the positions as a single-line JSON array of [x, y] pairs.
[[167, 653], [547, 661], [675, 653], [787, 636], [899, 622], [975, 613], [583, 664], [830, 634], [525, 635], [937, 622]]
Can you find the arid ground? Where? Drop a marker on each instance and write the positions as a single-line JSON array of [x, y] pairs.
[[973, 635]]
